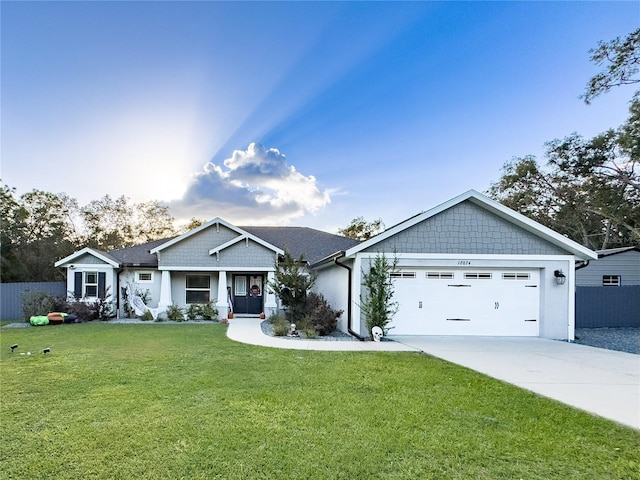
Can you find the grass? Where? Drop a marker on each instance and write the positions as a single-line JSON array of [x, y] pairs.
[[184, 402]]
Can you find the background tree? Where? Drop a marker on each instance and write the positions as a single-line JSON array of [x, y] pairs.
[[37, 229], [621, 61], [588, 189], [118, 223], [360, 229]]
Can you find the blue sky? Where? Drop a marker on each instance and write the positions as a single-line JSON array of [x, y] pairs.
[[294, 113]]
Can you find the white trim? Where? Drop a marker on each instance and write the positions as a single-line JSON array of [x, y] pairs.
[[84, 251], [146, 272], [217, 221], [462, 257], [219, 248], [493, 207], [217, 269]]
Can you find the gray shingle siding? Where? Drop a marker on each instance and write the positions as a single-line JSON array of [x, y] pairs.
[[194, 251], [625, 264], [242, 255], [88, 259], [466, 229]]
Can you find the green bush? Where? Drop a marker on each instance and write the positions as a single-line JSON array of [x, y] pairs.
[[175, 313], [204, 311], [308, 329], [208, 311], [280, 325], [36, 303], [146, 316]]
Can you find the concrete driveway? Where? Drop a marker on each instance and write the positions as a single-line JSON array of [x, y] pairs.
[[603, 382]]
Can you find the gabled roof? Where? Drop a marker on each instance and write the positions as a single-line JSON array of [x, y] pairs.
[[615, 251], [313, 244], [493, 207], [104, 256], [210, 223]]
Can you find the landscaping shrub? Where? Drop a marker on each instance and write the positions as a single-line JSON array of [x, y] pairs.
[[84, 311], [175, 313], [204, 311], [146, 316], [36, 303], [319, 315], [280, 325]]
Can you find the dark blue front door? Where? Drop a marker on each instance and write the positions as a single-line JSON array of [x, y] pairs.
[[248, 294]]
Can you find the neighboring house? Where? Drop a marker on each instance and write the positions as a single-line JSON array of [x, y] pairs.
[[470, 266], [608, 289]]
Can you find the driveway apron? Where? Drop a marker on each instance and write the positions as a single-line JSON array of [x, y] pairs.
[[599, 381]]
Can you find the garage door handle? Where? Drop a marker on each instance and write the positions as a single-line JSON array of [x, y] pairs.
[[458, 319], [458, 285], [531, 320]]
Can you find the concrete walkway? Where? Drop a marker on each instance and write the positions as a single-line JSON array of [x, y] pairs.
[[247, 330], [599, 381]]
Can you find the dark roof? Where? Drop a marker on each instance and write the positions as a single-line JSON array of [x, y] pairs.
[[614, 251], [138, 256], [313, 244]]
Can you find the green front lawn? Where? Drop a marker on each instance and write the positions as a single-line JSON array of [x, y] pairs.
[[184, 402]]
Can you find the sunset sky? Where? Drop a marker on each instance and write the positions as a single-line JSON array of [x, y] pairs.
[[294, 113]]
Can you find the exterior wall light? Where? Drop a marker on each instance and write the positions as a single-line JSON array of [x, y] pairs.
[[560, 277]]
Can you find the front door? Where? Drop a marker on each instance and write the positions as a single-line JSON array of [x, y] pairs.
[[248, 294]]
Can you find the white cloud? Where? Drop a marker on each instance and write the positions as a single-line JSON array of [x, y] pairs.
[[255, 185]]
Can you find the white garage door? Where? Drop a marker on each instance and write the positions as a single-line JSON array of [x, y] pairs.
[[441, 301]]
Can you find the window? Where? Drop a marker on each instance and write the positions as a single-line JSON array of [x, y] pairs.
[[198, 288], [144, 277], [438, 275], [477, 276], [402, 275], [90, 284], [611, 280], [515, 276]]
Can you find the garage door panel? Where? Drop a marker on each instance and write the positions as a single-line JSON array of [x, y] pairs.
[[496, 302]]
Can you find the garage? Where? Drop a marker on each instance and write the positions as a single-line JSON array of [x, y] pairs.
[[450, 301], [469, 266]]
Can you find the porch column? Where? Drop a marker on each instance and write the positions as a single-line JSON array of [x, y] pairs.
[[165, 289], [270, 302], [222, 302]]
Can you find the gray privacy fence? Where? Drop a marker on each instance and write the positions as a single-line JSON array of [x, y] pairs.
[[11, 296], [608, 306]]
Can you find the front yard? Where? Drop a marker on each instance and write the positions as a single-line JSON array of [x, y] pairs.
[[182, 401]]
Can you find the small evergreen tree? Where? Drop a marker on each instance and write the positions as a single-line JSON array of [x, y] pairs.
[[377, 305], [292, 284]]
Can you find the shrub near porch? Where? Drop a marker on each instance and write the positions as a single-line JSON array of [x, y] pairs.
[[159, 401]]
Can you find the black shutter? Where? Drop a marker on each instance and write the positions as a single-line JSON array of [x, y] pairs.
[[77, 287], [102, 279]]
